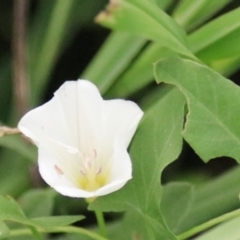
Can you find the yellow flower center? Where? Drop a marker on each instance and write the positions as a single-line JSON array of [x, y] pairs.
[[91, 182], [92, 175]]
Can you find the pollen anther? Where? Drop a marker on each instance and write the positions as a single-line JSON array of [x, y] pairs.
[[58, 170], [98, 171]]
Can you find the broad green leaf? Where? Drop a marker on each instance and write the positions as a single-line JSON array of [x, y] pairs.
[[114, 56], [213, 126], [164, 4], [192, 13], [158, 141], [4, 230], [54, 222], [226, 66], [202, 41], [17, 144], [17, 177], [140, 73], [218, 39], [174, 211], [10, 210], [42, 61], [218, 196], [55, 24], [37, 202], [77, 235], [226, 231], [152, 96], [146, 19], [130, 227]]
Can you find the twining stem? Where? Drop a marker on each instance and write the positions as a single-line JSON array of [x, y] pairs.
[[101, 223], [67, 229], [8, 131], [209, 224], [35, 233]]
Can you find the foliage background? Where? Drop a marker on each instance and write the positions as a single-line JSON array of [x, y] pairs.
[[62, 39]]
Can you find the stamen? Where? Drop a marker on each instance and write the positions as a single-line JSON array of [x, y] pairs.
[[58, 170], [83, 172], [94, 154], [88, 162], [98, 171]]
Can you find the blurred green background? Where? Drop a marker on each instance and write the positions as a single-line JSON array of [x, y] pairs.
[[62, 39]]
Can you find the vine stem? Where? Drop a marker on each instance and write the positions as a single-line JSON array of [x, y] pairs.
[[101, 223], [67, 229], [209, 224], [4, 130], [36, 233]]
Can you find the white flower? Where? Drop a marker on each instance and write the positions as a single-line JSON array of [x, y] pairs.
[[82, 140]]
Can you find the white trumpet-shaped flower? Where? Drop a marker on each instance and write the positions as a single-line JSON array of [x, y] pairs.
[[82, 140]]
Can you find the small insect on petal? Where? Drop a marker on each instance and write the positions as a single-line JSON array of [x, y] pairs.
[[58, 170]]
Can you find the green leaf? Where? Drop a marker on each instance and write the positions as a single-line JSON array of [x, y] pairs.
[[152, 97], [227, 66], [17, 177], [218, 39], [11, 211], [48, 223], [216, 197], [4, 230], [192, 13], [164, 4], [18, 144], [157, 142], [130, 227], [49, 42], [55, 24], [114, 56], [213, 126], [146, 19], [213, 35], [226, 231], [174, 211], [37, 202], [140, 73]]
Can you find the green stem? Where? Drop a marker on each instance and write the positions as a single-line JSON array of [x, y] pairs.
[[35, 233], [67, 229], [101, 223], [209, 224]]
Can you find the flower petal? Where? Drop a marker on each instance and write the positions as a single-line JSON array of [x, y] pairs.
[[45, 123], [78, 193], [71, 117], [120, 120], [89, 116], [121, 172], [82, 138], [56, 170]]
